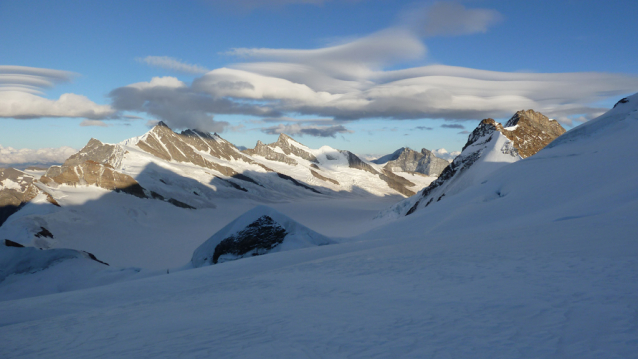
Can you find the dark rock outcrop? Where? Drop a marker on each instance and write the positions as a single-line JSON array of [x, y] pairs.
[[259, 231], [259, 237]]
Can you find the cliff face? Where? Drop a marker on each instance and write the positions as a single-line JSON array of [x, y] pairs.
[[488, 147], [16, 189], [268, 153], [533, 131], [163, 143], [99, 152], [424, 162], [93, 173], [286, 145]]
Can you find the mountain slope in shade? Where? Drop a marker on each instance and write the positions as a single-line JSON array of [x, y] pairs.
[[259, 231], [489, 147], [28, 271]]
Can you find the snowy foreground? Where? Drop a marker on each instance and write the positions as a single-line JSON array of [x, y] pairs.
[[540, 260]]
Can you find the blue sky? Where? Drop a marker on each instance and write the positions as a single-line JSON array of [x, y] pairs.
[[369, 75]]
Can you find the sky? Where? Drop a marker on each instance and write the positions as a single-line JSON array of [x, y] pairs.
[[369, 76]]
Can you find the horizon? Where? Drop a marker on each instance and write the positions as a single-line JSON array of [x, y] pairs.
[[366, 76]]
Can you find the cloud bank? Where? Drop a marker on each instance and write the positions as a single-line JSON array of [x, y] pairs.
[[310, 130], [358, 80], [444, 154], [12, 156], [173, 64], [21, 89]]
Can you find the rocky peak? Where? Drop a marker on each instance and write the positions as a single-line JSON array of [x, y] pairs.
[[409, 160], [97, 151], [284, 138], [214, 145], [16, 189], [285, 143], [531, 131], [197, 133], [393, 156], [486, 127], [267, 152]]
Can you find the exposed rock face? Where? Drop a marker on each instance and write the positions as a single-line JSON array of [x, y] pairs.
[[96, 174], [99, 152], [268, 153], [527, 132], [259, 237], [323, 178], [287, 145], [395, 182], [424, 162], [163, 143], [211, 144], [391, 157], [356, 162], [16, 189]]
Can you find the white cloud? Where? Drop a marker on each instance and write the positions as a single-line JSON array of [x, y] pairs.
[[31, 79], [23, 105], [97, 123], [353, 81], [173, 64], [310, 130], [180, 106], [12, 156], [444, 154], [352, 61], [21, 86]]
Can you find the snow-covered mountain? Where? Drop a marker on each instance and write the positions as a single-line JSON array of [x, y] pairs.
[[259, 231], [538, 259], [149, 190], [489, 147], [407, 160]]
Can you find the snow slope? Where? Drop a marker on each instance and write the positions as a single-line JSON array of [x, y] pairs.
[[29, 272], [540, 259]]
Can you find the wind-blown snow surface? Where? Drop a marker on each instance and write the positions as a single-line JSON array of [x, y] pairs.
[[541, 260]]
